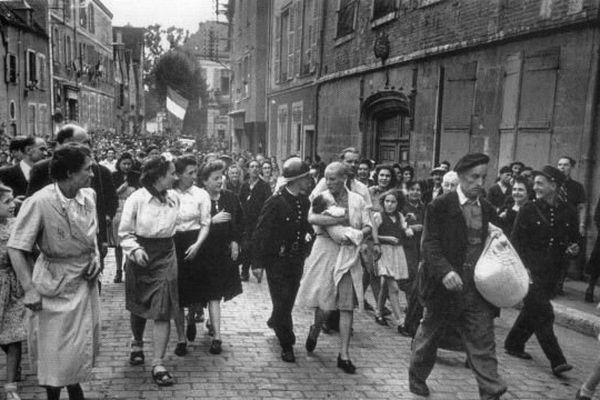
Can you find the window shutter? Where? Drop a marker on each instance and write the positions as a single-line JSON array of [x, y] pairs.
[[291, 42], [7, 68], [298, 46], [315, 36], [277, 58]]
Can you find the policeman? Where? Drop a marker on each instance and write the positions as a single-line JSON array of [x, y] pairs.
[[280, 240], [545, 231]]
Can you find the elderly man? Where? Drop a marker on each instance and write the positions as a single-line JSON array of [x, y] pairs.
[[280, 246], [456, 227], [544, 232]]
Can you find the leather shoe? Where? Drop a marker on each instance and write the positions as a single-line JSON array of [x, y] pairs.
[[190, 331], [560, 368], [579, 396], [311, 340], [215, 347], [181, 349], [420, 389], [287, 355], [519, 354], [345, 365], [381, 321], [403, 331]]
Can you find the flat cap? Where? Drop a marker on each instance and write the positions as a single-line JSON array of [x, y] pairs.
[[551, 173], [438, 171], [471, 160]]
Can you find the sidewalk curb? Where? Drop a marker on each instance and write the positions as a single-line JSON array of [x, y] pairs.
[[576, 320]]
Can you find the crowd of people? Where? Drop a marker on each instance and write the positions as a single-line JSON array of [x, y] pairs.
[[188, 227]]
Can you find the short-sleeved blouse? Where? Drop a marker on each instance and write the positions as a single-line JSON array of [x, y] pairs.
[[146, 216], [194, 209]]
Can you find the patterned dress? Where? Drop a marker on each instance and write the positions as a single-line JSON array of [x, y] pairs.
[[12, 310]]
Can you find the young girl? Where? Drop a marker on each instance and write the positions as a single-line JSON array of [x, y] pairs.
[[12, 310], [392, 265]]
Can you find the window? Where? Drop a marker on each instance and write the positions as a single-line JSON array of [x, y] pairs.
[[83, 18], [346, 16], [55, 46], [67, 9], [68, 51], [309, 37], [285, 23], [224, 81], [10, 68], [12, 110], [383, 8], [91, 18], [31, 77]]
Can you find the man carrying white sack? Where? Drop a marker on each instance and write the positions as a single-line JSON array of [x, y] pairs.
[[457, 225], [545, 232]]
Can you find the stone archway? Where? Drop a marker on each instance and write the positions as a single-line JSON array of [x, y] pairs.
[[385, 124]]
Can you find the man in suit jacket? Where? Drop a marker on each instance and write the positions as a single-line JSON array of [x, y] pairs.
[[456, 227], [33, 149], [500, 192], [253, 194], [106, 195]]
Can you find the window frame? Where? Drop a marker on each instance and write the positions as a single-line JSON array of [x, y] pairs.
[[31, 71], [390, 16], [342, 38], [11, 74]]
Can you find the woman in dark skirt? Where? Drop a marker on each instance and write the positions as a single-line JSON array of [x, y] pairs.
[[193, 222], [147, 227], [219, 276]]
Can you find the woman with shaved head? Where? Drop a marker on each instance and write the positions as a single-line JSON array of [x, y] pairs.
[[327, 285]]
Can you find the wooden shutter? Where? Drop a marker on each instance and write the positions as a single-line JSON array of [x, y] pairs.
[[277, 52], [316, 28], [291, 42], [299, 10]]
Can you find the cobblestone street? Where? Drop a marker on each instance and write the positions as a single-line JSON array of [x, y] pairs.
[[250, 367]]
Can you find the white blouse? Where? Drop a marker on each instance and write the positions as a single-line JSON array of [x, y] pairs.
[[194, 209], [146, 216]]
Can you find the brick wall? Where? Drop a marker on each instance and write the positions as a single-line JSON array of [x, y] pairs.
[[443, 25]]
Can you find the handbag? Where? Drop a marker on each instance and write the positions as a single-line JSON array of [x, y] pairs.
[[500, 276]]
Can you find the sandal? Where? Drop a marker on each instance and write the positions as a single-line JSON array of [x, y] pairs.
[[136, 357], [162, 377]]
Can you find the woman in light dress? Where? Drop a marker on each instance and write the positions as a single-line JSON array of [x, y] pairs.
[[61, 289], [323, 287]]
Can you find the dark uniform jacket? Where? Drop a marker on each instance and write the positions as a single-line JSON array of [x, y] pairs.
[[444, 248], [13, 178], [107, 200], [252, 201], [282, 227], [541, 235]]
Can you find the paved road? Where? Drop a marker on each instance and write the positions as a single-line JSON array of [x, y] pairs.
[[250, 368]]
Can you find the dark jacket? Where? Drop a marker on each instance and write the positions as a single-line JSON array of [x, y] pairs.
[[541, 234], [13, 178], [106, 195], [252, 201], [444, 247], [496, 197], [281, 228]]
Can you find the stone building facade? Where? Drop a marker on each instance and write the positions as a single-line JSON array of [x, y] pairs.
[[249, 63], [25, 78]]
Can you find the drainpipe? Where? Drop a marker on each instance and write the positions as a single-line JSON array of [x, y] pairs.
[[51, 70], [590, 124], [319, 72]]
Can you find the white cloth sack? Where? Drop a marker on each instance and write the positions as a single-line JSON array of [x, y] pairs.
[[500, 276]]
